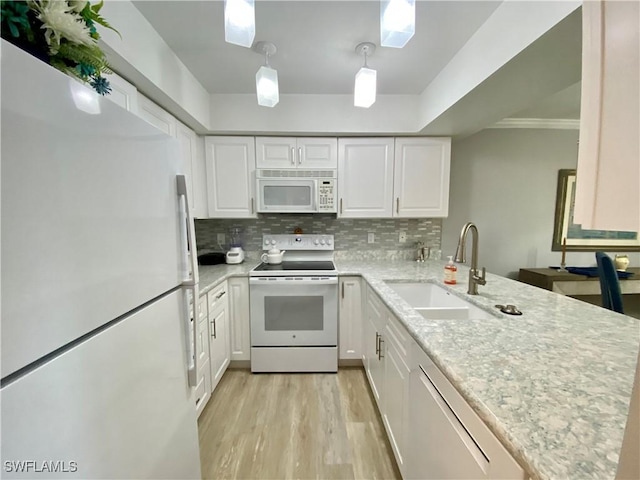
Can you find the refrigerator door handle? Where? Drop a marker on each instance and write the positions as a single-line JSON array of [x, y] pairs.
[[192, 334], [192, 275]]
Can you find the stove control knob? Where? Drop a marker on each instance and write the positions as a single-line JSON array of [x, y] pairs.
[[328, 241], [298, 239], [267, 242], [273, 242], [322, 242], [316, 242]]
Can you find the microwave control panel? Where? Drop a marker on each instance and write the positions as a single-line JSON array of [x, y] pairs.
[[326, 195]]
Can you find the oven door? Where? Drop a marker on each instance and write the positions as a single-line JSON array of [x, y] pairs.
[[294, 311], [294, 195]]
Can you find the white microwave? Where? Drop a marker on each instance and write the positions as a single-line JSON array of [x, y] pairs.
[[296, 191]]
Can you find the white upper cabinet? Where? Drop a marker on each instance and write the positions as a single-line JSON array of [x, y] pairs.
[[156, 116], [123, 93], [608, 175], [365, 177], [230, 167], [421, 177], [292, 152], [189, 152]]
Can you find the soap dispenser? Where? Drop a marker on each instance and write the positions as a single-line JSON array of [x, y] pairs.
[[450, 272]]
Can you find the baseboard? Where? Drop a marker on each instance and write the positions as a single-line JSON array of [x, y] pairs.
[[246, 364], [350, 362], [240, 364]]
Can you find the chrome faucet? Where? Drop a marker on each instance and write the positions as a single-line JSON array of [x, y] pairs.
[[422, 251], [474, 279]]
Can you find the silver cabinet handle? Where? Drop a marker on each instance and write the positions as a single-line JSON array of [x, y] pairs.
[[340, 206], [299, 155], [343, 290], [252, 208], [293, 156], [398, 205], [380, 355], [220, 295], [378, 344], [213, 325]]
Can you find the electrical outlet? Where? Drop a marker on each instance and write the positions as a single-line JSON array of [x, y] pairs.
[[402, 237], [221, 238], [371, 238]]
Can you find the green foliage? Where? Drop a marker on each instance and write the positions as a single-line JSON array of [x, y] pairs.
[[15, 19], [20, 25], [91, 16]]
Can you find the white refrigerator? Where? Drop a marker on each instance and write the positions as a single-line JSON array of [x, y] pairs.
[[97, 341]]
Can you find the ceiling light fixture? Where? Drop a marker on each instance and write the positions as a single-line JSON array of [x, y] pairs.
[[239, 22], [267, 77], [364, 93], [397, 22]]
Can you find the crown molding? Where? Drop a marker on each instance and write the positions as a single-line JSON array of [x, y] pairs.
[[548, 123]]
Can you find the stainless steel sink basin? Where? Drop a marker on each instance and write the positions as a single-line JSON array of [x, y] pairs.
[[436, 303]]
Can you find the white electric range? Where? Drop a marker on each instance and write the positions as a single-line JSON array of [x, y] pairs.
[[294, 307]]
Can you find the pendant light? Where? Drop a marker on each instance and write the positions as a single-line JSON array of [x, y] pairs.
[[364, 93], [397, 22], [239, 22], [267, 77]]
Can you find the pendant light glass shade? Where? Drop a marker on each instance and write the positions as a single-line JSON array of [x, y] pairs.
[[397, 22], [267, 86], [365, 88], [239, 22]]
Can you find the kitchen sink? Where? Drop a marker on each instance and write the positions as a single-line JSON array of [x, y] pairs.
[[436, 303]]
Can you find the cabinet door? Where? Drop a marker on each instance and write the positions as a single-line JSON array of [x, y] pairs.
[[374, 346], [230, 163], [396, 398], [317, 153], [607, 195], [350, 342], [123, 93], [219, 339], [156, 116], [421, 177], [203, 388], [187, 139], [365, 177], [445, 438], [239, 317], [276, 152]]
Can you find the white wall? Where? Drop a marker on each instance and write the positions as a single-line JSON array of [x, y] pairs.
[[504, 180]]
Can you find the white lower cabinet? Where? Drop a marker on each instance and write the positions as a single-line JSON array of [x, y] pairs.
[[203, 388], [433, 432], [447, 440], [350, 310], [219, 338], [372, 357], [239, 318]]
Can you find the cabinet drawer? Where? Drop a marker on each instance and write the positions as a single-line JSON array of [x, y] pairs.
[[217, 297]]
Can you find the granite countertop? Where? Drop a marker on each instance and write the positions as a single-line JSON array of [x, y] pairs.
[[554, 384]]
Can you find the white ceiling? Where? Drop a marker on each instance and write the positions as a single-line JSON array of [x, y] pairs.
[[316, 43]]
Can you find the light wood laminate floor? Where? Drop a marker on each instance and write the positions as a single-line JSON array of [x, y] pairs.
[[284, 426]]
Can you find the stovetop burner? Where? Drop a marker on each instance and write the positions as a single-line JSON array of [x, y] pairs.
[[310, 265]]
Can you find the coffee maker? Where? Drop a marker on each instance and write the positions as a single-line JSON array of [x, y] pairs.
[[235, 254]]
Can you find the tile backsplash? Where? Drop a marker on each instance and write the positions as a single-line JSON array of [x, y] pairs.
[[349, 234]]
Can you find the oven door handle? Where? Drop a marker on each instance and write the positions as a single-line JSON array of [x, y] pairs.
[[292, 281]]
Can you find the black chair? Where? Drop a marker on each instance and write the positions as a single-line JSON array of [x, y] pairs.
[[609, 284]]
